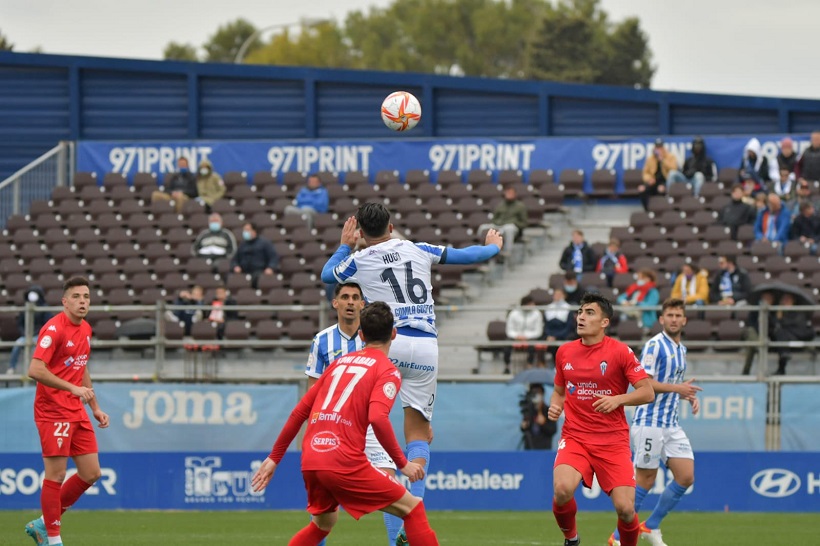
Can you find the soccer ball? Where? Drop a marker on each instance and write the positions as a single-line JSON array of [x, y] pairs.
[[401, 111]]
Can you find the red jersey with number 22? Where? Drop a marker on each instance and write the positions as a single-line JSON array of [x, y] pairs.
[[64, 347], [605, 368], [354, 389]]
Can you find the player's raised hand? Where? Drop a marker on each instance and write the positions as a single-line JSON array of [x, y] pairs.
[[494, 238], [83, 393], [554, 412], [414, 471], [605, 404], [688, 390], [101, 417], [695, 405], [350, 232], [262, 476]]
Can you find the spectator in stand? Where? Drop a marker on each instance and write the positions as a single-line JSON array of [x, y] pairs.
[[639, 295], [752, 331], [181, 186], [216, 241], [754, 167], [808, 166], [194, 296], [36, 296], [509, 218], [255, 256], [806, 226], [786, 157], [573, 289], [697, 169], [731, 284], [525, 324], [578, 257], [312, 199], [789, 326], [612, 262], [805, 194], [209, 184], [737, 212], [773, 222], [786, 189], [655, 172], [559, 321], [220, 316], [691, 287], [536, 428]]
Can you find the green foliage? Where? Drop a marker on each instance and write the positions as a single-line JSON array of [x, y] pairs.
[[5, 45], [578, 44], [320, 45], [223, 46], [180, 52]]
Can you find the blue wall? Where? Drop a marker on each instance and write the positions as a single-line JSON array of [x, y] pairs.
[[45, 98]]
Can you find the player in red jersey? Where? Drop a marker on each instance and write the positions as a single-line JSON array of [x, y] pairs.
[[59, 365], [357, 389], [592, 376]]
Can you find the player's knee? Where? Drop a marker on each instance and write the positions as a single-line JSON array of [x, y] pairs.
[[55, 476], [90, 476], [626, 511], [563, 493], [685, 480]]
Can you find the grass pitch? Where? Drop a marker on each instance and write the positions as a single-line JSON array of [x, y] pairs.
[[453, 528]]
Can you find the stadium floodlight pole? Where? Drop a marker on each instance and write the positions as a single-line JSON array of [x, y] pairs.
[[306, 22]]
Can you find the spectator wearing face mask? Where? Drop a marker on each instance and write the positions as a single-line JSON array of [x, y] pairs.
[[612, 262], [255, 256], [36, 296], [209, 184], [641, 294], [216, 241], [573, 289], [691, 287], [180, 187], [537, 430]]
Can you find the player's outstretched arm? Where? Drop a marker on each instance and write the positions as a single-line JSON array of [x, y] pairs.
[[559, 395], [686, 389], [350, 236], [38, 370], [476, 253]]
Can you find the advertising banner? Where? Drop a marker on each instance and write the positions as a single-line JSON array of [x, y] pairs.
[[433, 155], [209, 480]]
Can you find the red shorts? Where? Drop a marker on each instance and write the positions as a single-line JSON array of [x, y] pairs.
[[611, 464], [66, 438], [360, 491]]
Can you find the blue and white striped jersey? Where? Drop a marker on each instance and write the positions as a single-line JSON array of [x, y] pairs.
[[665, 361], [398, 273], [327, 346]]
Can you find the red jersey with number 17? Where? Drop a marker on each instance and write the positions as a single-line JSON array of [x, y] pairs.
[[64, 347], [356, 390], [606, 368]]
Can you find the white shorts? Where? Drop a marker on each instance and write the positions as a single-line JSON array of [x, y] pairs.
[[650, 445], [374, 451], [417, 361]]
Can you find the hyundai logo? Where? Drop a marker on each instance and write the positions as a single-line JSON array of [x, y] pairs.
[[775, 483]]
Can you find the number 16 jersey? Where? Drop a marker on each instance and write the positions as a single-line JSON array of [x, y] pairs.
[[397, 272]]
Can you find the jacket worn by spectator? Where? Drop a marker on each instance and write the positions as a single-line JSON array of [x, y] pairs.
[[735, 214], [772, 226], [587, 258], [808, 166], [256, 255], [659, 171], [699, 162], [209, 184], [691, 289], [806, 226], [183, 181], [757, 168], [525, 322], [214, 244], [736, 285], [316, 199], [511, 212]]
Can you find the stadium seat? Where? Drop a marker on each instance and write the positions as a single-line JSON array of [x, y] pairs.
[[572, 182], [416, 178], [632, 178], [448, 177], [603, 183], [384, 178], [351, 179], [727, 175], [540, 178], [83, 178], [510, 177], [678, 191]]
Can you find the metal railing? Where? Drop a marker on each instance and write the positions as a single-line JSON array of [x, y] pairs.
[[36, 180]]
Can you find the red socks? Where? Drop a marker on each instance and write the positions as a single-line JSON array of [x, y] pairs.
[[629, 531], [72, 489], [418, 528], [308, 536], [50, 504], [565, 516]]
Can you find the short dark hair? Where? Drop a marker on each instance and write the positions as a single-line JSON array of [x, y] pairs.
[[75, 281], [252, 225], [737, 187], [729, 258], [373, 219], [526, 300], [673, 303], [338, 288], [377, 322], [570, 276], [604, 304], [806, 205]]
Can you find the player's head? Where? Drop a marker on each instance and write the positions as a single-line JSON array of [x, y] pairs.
[[348, 301], [594, 314], [673, 316], [374, 220], [377, 323], [76, 298]]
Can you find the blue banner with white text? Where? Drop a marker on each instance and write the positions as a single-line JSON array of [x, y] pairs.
[[433, 155], [214, 480]]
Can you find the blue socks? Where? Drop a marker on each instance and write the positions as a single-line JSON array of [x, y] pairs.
[[393, 525], [669, 499], [640, 495], [419, 449]]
